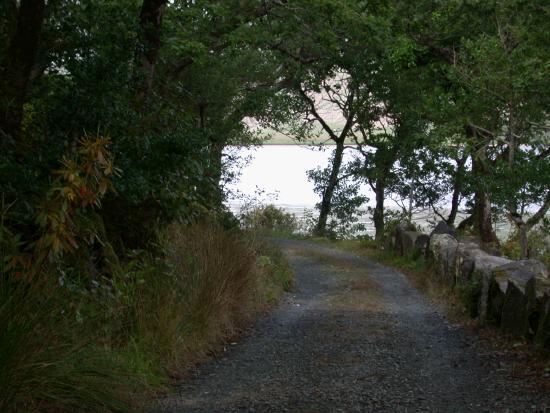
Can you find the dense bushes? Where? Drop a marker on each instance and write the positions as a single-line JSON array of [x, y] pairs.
[[71, 344], [269, 219]]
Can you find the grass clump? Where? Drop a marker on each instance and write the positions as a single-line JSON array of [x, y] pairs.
[[103, 344]]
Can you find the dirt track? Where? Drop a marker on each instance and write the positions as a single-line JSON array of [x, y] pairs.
[[354, 336]]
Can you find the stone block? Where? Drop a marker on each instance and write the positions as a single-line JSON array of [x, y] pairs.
[[519, 304], [408, 239], [483, 264], [421, 245], [399, 232], [443, 249], [443, 228], [542, 337]]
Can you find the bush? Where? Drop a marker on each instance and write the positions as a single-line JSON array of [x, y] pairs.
[[269, 219]]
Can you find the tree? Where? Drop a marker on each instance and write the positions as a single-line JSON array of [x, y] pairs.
[[17, 64]]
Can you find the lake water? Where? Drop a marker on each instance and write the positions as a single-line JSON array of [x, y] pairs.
[[277, 174]]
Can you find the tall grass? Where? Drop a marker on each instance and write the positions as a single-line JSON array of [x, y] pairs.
[[48, 358], [109, 344]]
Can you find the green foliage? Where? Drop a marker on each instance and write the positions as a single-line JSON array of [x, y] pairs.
[[538, 240], [269, 219], [343, 220], [469, 294]]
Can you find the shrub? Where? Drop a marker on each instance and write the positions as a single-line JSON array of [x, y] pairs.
[[469, 294], [270, 219]]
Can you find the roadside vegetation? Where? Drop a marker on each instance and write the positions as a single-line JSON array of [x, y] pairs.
[[111, 343]]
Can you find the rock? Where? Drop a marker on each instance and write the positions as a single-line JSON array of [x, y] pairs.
[[405, 226], [498, 285], [389, 242], [408, 239], [399, 231], [542, 337], [421, 245], [526, 287], [483, 264], [466, 255], [518, 303], [542, 288], [533, 266], [443, 248], [540, 317], [443, 228]]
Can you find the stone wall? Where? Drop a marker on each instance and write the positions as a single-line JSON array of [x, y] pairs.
[[514, 295]]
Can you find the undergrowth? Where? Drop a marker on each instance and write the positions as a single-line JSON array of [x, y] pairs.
[[98, 344]]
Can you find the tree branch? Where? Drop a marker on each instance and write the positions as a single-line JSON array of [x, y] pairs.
[[319, 118], [541, 213]]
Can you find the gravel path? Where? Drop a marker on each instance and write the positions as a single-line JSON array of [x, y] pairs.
[[354, 336]]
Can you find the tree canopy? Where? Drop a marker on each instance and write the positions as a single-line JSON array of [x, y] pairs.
[[440, 99]]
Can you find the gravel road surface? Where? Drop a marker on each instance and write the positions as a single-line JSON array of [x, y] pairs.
[[353, 336]]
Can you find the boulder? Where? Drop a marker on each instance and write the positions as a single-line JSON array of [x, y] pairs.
[[408, 240], [519, 303], [421, 245], [526, 287], [466, 255], [405, 226], [532, 266], [498, 285], [443, 249], [483, 265], [542, 288], [542, 337], [443, 228], [399, 231], [389, 243]]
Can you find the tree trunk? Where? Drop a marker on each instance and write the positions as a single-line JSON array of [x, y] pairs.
[[214, 172], [411, 200], [152, 12], [16, 70], [483, 223], [326, 201], [457, 188], [378, 215], [522, 233]]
